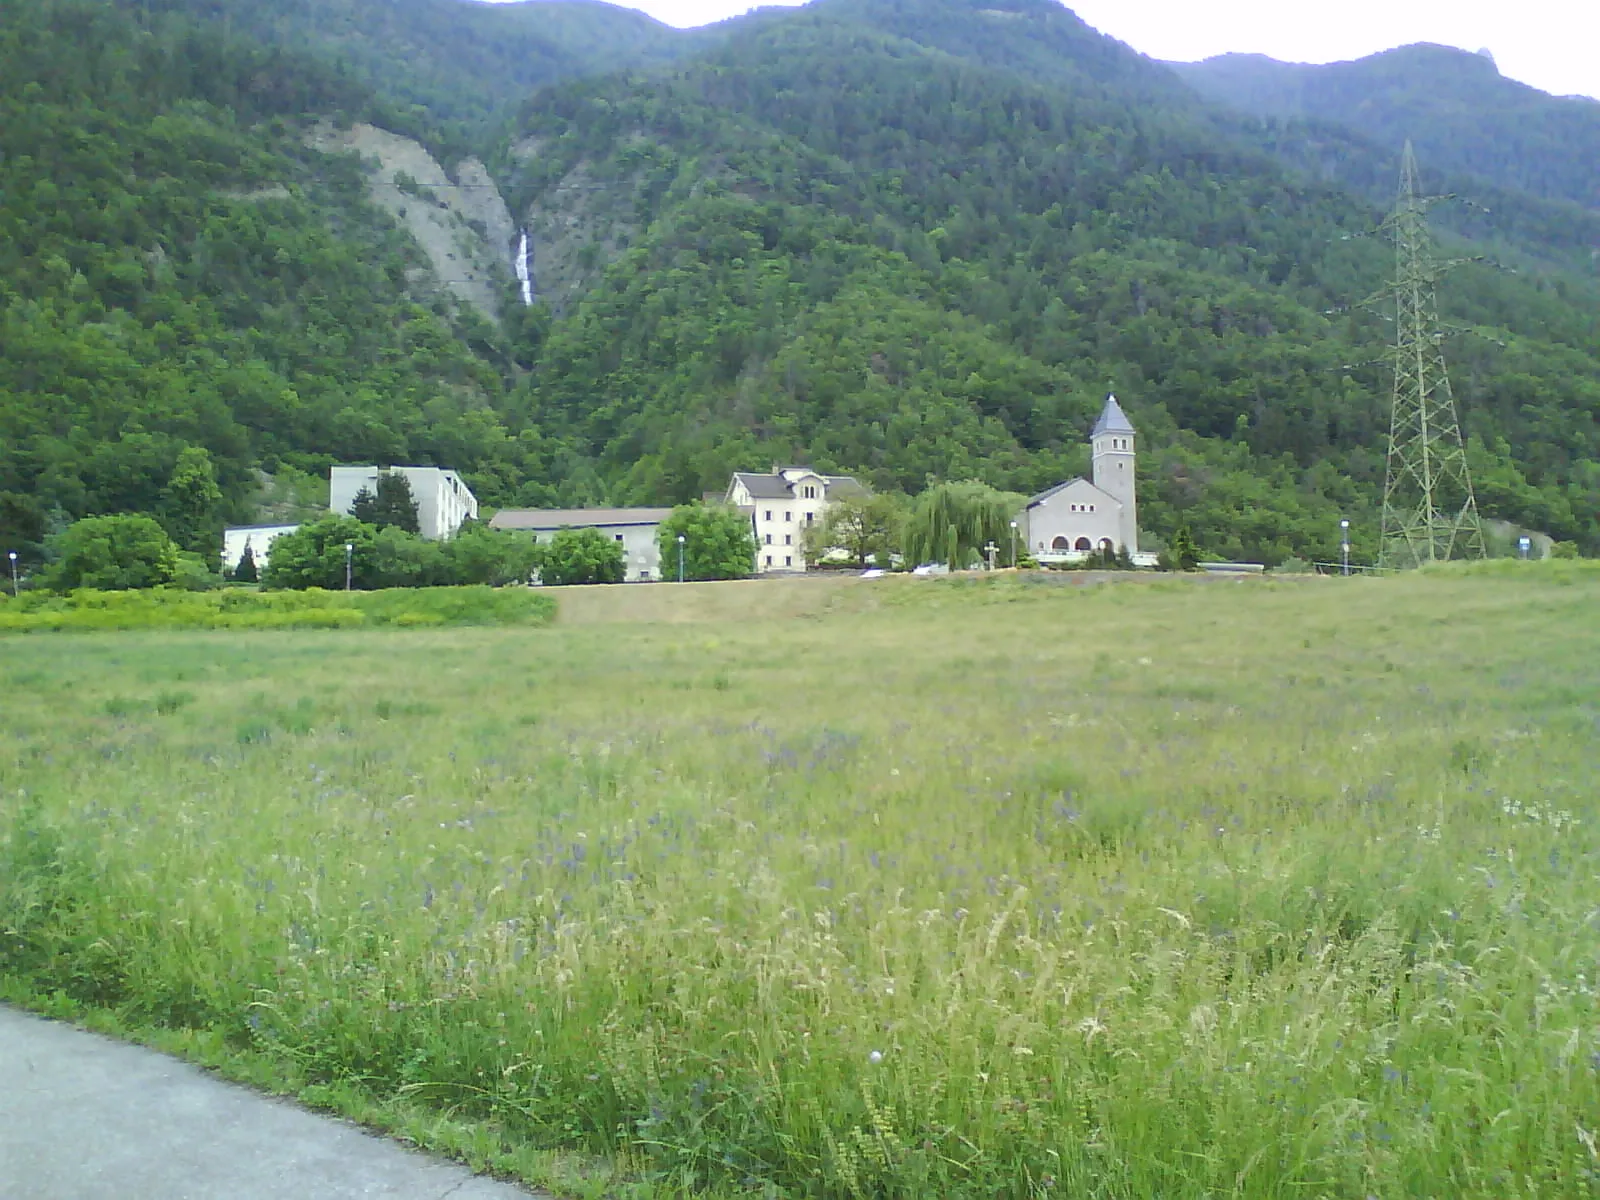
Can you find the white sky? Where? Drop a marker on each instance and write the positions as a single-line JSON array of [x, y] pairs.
[[1551, 44]]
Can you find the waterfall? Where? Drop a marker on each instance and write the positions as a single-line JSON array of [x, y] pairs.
[[524, 272]]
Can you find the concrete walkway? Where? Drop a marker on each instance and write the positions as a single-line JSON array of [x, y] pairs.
[[86, 1118]]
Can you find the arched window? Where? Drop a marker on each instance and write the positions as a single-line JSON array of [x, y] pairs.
[[1106, 546], [1060, 543], [1083, 544]]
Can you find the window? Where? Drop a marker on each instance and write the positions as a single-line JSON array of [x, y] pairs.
[[788, 560], [769, 539], [618, 536], [769, 514], [809, 516], [811, 492], [788, 516], [769, 560], [788, 539]]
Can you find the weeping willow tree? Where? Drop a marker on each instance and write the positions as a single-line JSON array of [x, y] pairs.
[[952, 522]]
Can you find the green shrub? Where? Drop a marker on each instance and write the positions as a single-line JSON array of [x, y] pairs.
[[113, 553], [313, 608]]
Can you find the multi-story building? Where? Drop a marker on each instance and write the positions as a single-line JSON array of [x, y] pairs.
[[782, 505], [444, 502]]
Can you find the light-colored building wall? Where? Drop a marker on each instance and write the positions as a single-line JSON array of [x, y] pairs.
[[634, 528], [1082, 517], [258, 537], [444, 501], [1075, 517], [781, 506]]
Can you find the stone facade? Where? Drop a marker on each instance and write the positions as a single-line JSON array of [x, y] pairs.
[[1083, 516]]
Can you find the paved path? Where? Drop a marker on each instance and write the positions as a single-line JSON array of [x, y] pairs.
[[86, 1118]]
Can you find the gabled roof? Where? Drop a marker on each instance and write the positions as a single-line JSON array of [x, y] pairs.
[[1035, 501], [765, 487], [776, 487], [577, 518], [845, 485], [1112, 419]]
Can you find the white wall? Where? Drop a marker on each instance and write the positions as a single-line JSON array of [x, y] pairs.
[[640, 553], [443, 499], [1079, 510], [259, 538]]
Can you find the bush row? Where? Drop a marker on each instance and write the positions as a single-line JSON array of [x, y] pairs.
[[313, 608]]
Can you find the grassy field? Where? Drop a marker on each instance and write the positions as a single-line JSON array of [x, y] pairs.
[[938, 888]]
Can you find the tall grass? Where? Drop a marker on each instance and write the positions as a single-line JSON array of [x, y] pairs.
[[1257, 889]]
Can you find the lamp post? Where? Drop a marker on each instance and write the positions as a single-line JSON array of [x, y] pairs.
[[1344, 544], [681, 540], [349, 549], [12, 555], [1013, 545]]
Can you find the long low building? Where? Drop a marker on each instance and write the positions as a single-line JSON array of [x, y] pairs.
[[635, 528], [258, 538]]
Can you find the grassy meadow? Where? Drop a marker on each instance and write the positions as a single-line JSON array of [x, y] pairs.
[[955, 888]]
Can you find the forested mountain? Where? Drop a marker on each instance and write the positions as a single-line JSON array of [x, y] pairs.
[[1463, 116], [908, 239], [450, 66], [178, 270], [893, 258]]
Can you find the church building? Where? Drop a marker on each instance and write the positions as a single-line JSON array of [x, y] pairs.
[[1083, 516]]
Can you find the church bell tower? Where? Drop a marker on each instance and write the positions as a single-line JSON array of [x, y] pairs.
[[1112, 443]]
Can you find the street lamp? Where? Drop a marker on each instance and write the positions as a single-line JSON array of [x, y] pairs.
[[12, 555], [1013, 545], [681, 540], [1344, 544], [349, 549]]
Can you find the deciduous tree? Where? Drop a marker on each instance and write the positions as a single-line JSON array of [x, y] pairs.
[[718, 542], [113, 554]]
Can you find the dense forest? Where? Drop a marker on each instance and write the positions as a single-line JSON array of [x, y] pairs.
[[909, 239]]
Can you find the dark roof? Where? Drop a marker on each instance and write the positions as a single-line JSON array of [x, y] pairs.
[[765, 487], [845, 485], [775, 487], [1112, 419], [1048, 492], [576, 518]]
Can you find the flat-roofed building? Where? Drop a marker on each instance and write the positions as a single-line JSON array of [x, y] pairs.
[[444, 501]]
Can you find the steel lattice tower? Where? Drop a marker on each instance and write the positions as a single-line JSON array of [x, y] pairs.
[[1429, 512]]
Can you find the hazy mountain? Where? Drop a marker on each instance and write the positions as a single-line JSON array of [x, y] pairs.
[[1463, 116]]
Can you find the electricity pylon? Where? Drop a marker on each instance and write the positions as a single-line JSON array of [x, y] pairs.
[[1429, 512]]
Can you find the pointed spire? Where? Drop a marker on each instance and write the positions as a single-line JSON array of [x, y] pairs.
[[1112, 419]]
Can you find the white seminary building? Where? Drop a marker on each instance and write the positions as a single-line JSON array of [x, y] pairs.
[[1083, 516], [443, 500], [780, 507]]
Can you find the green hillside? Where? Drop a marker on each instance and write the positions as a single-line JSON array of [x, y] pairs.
[[849, 247], [451, 66], [177, 270], [911, 239]]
